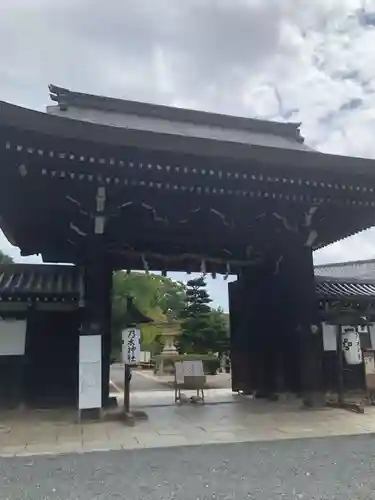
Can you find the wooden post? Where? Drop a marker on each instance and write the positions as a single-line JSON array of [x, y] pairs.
[[127, 372], [127, 375], [96, 315], [340, 366], [298, 309]]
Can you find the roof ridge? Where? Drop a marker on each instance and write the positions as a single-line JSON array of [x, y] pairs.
[[65, 97], [346, 263]]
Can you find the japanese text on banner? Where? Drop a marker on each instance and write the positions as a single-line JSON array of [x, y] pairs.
[[131, 346]]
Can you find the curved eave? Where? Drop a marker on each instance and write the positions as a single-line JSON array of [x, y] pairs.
[[76, 130], [134, 315], [7, 233], [322, 244]]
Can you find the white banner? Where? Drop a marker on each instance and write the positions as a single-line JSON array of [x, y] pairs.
[[131, 346], [329, 337], [370, 364], [90, 372], [12, 337]]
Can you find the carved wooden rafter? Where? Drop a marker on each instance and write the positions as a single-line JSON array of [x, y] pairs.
[[201, 260], [306, 227], [112, 214], [251, 255]]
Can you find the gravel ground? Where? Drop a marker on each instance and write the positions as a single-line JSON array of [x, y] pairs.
[[325, 469]]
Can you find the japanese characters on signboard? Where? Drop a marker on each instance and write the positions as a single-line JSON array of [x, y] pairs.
[[351, 345], [131, 346]]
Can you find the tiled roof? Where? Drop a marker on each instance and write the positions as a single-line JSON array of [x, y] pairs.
[[359, 269], [51, 283], [54, 283], [185, 122], [40, 282], [343, 288], [134, 315]]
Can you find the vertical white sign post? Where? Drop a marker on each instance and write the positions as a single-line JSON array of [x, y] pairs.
[[131, 346], [90, 372], [131, 356]]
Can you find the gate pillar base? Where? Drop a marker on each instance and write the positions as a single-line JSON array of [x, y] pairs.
[[314, 400]]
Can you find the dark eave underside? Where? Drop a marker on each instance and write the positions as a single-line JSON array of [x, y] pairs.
[[48, 159]]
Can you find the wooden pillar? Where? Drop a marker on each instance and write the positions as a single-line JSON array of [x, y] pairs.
[[260, 308], [298, 291], [277, 305], [250, 328], [238, 338], [98, 290], [98, 300]]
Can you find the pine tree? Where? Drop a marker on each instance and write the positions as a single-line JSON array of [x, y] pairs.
[[199, 326]]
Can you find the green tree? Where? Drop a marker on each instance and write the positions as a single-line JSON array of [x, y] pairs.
[[197, 302], [195, 325], [219, 331], [204, 330], [156, 296], [171, 297], [5, 259]]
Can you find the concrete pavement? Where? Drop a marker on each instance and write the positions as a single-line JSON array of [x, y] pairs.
[[142, 380], [304, 469], [165, 397], [145, 380], [54, 432], [219, 381]]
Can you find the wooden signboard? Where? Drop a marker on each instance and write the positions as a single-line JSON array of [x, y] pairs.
[[369, 370], [90, 372], [189, 375], [131, 346]]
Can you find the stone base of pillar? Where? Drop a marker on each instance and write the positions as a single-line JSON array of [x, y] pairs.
[[111, 402], [314, 400], [91, 414]]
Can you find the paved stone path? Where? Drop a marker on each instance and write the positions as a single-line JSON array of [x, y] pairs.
[[218, 381], [245, 421], [145, 380], [307, 469], [165, 397], [142, 380]]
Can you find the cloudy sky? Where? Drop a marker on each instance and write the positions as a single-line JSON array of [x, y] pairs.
[[310, 61]]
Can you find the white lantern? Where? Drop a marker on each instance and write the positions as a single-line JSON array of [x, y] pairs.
[[351, 345]]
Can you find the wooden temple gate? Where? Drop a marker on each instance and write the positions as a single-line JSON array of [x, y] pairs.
[[108, 184]]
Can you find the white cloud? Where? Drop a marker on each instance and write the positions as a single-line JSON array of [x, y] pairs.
[[278, 59]]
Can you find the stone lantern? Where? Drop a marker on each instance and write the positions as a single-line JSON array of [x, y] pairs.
[[170, 331]]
